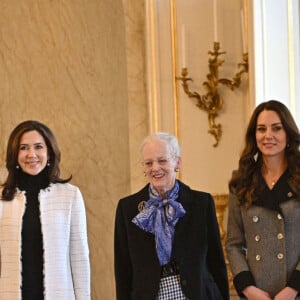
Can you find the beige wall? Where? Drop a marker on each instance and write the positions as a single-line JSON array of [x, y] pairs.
[[64, 63], [136, 73]]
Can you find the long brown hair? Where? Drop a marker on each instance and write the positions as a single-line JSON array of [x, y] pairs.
[[10, 185], [245, 182]]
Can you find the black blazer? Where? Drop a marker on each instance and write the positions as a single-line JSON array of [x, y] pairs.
[[197, 250]]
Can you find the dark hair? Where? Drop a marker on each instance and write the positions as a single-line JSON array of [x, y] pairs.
[[12, 152], [245, 181]]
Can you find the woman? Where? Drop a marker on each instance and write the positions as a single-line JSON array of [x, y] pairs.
[[43, 238], [167, 241], [263, 242]]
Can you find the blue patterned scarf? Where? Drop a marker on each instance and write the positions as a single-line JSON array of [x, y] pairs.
[[159, 217]]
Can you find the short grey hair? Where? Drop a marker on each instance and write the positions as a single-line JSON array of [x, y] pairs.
[[170, 139]]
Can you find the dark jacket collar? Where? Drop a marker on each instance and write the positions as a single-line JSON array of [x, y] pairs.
[[281, 192]]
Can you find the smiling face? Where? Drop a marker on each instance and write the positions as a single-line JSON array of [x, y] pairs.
[[271, 137], [159, 165], [33, 154]]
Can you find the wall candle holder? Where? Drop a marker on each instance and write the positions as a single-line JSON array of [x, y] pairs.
[[212, 102]]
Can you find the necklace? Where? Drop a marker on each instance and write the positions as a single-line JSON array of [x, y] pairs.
[[272, 181], [272, 175]]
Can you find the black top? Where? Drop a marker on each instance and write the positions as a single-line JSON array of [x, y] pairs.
[[272, 198], [32, 240]]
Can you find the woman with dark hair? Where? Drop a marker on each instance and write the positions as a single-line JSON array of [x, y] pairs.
[[167, 240], [43, 237], [263, 241]]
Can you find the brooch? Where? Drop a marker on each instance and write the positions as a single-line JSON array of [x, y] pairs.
[[141, 206]]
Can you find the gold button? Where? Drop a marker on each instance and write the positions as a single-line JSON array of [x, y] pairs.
[[280, 256], [257, 238], [257, 257], [255, 219], [290, 194], [279, 217], [280, 236]]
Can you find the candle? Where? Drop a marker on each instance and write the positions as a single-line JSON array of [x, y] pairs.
[[215, 8], [243, 31], [245, 8], [183, 46]]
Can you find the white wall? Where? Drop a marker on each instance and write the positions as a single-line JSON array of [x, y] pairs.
[[275, 26]]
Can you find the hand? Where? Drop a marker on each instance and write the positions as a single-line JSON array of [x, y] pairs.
[[254, 293], [287, 293]]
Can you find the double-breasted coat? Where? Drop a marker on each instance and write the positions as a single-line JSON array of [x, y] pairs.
[[197, 250], [263, 243]]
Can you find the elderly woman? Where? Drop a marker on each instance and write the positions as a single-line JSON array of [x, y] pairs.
[[167, 241]]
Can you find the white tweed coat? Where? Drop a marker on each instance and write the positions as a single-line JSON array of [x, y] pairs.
[[66, 253]]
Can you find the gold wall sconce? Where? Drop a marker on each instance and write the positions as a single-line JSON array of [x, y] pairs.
[[212, 102]]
